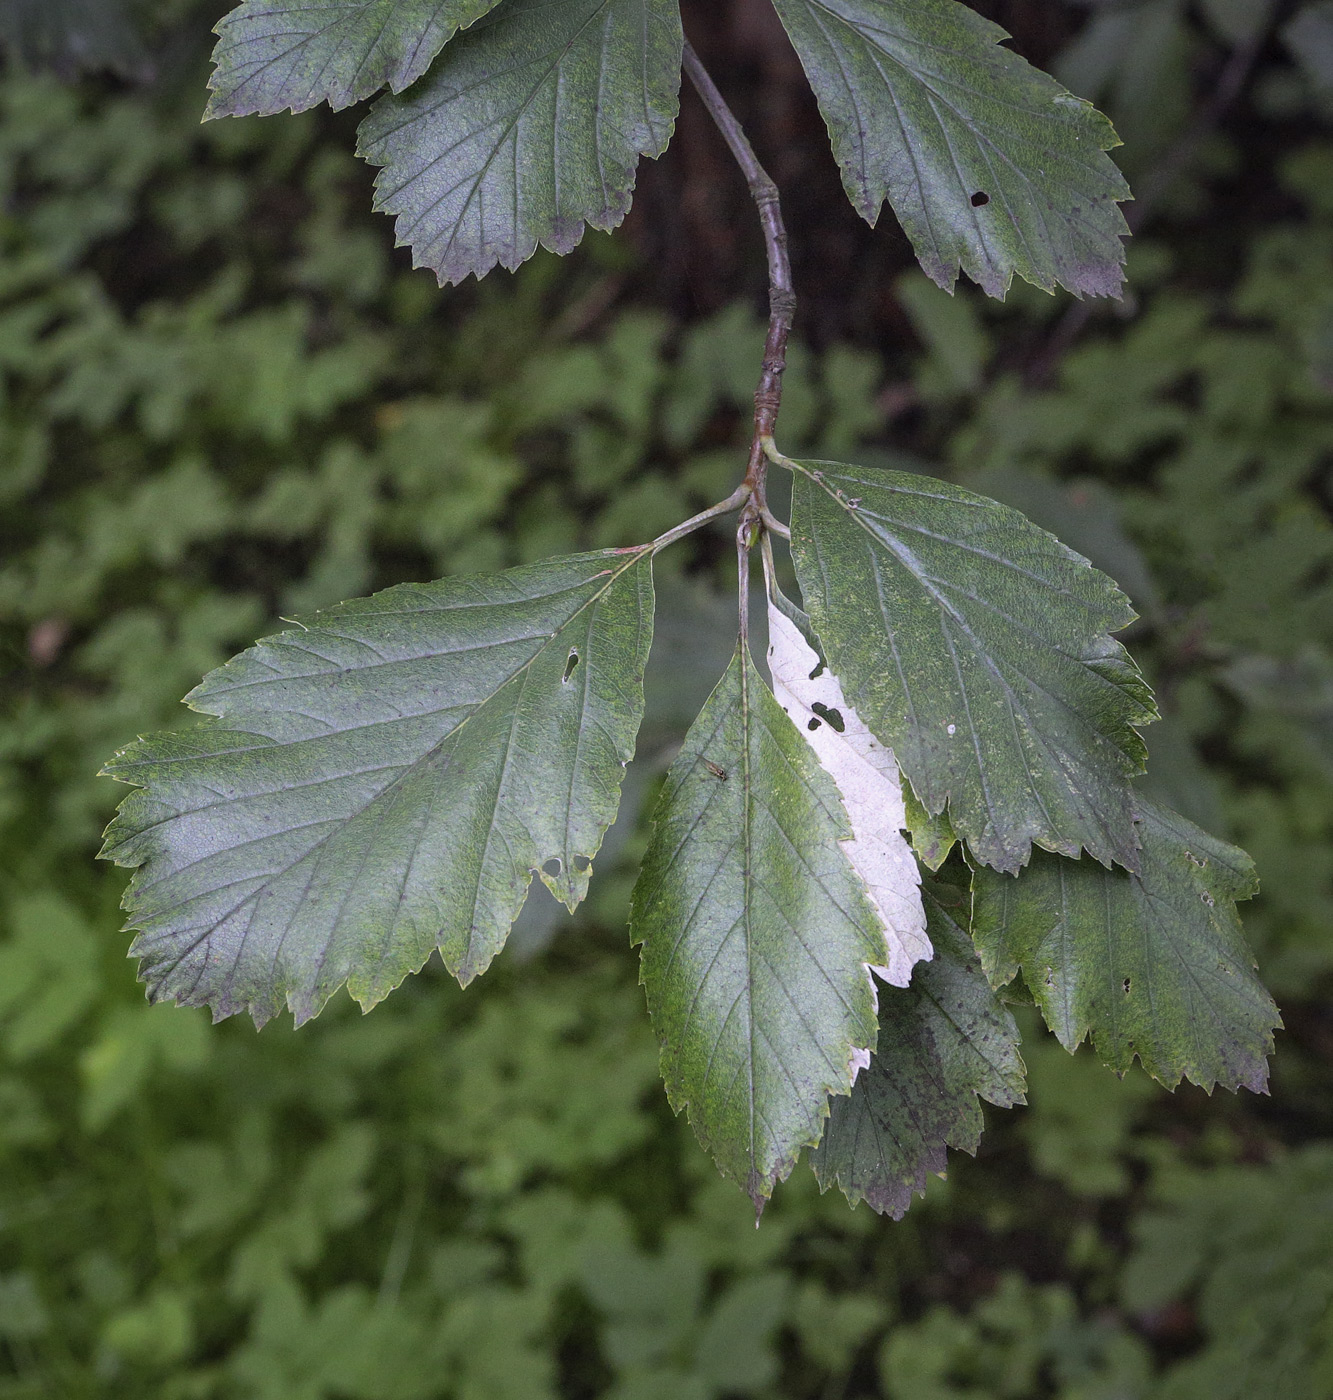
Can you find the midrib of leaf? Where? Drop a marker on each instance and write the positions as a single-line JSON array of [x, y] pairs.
[[748, 837], [388, 791], [478, 178]]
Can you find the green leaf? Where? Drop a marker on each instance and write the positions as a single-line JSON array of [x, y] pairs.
[[932, 836], [387, 779], [757, 935], [275, 54], [529, 127], [990, 165], [944, 1042], [975, 645], [1152, 965]]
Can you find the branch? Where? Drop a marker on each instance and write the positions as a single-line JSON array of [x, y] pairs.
[[781, 295]]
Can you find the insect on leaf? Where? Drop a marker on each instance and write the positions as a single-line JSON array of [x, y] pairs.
[[977, 646], [528, 127], [276, 54], [990, 165], [757, 936], [944, 1043], [1152, 965], [868, 781], [383, 781]]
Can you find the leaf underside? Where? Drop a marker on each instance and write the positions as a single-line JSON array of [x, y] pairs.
[[384, 781], [756, 935], [944, 1043], [976, 646], [990, 165], [527, 128], [869, 784], [275, 55], [1152, 965]]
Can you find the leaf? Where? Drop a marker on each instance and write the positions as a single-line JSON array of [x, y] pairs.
[[1152, 965], [932, 836], [990, 165], [866, 775], [529, 126], [757, 936], [976, 646], [387, 779], [275, 54], [944, 1042]]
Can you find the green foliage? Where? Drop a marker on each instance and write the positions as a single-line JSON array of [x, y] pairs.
[[758, 937], [529, 124], [944, 1042], [529, 127], [481, 1195], [990, 165], [476, 733], [299, 53], [1152, 965], [1018, 714]]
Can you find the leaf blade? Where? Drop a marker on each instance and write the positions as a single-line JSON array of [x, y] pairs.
[[478, 165], [1151, 965], [384, 782], [945, 1042], [976, 646], [273, 55], [990, 165], [755, 852]]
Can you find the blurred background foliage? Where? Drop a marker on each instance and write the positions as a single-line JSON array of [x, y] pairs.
[[224, 399]]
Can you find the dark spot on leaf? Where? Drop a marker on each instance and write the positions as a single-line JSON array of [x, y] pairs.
[[813, 725], [1126, 986], [818, 671], [571, 664], [553, 867], [833, 717], [1207, 898], [980, 198]]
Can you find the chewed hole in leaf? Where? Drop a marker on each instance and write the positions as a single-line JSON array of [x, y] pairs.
[[582, 864], [980, 198], [570, 665], [830, 716], [553, 867], [813, 725], [1126, 986]]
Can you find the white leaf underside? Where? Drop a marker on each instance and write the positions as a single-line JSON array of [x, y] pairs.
[[867, 777]]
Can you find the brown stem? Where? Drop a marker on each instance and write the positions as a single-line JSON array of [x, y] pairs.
[[781, 295]]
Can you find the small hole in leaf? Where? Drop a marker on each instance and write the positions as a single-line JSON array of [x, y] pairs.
[[1126, 986], [571, 664], [813, 725], [980, 198], [553, 867], [833, 718], [817, 672], [1207, 898], [582, 864]]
